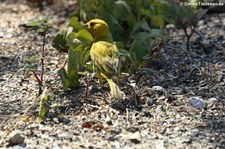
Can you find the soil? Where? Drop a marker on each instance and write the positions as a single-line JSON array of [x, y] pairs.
[[176, 101]]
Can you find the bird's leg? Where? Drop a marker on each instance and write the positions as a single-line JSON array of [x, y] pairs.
[[99, 78], [87, 91]]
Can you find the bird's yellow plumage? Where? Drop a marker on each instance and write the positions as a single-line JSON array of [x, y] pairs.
[[104, 55]]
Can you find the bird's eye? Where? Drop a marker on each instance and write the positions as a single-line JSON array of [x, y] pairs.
[[92, 24]]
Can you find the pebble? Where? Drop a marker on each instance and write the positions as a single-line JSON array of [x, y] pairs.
[[1, 34], [133, 84], [195, 133], [15, 138], [135, 137], [197, 102], [158, 89], [213, 99]]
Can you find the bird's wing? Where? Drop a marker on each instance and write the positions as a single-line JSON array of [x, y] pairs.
[[105, 57]]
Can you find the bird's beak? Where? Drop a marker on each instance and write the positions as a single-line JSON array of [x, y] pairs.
[[85, 25]]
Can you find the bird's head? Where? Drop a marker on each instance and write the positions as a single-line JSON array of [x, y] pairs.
[[99, 29]]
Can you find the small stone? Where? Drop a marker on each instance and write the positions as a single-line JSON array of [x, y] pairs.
[[180, 129], [158, 89], [111, 138], [56, 120], [147, 114], [1, 34], [213, 99], [15, 138], [211, 103], [133, 84], [195, 133], [109, 122], [135, 137], [197, 102], [135, 141]]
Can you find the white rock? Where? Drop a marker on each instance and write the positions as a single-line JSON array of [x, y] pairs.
[[158, 89], [133, 137], [195, 133], [136, 135], [133, 84], [197, 102], [1, 34], [213, 99]]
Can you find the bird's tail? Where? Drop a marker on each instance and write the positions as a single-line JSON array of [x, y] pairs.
[[115, 90]]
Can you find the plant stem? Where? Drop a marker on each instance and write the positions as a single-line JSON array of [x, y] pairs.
[[188, 37], [36, 76], [42, 57], [39, 83], [40, 80]]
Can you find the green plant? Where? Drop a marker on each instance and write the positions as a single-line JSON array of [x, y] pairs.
[[43, 28], [135, 26], [185, 18], [78, 42]]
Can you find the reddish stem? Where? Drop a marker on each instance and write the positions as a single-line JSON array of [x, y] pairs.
[[188, 37], [36, 76], [42, 57], [39, 82], [40, 79]]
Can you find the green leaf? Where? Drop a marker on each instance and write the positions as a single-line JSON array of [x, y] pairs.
[[182, 16], [64, 78], [139, 48], [146, 12], [121, 10], [134, 61], [123, 55], [32, 59], [42, 30], [41, 25], [84, 36], [36, 23], [108, 4], [157, 20], [131, 20], [142, 25], [86, 55], [120, 44], [72, 41], [123, 52], [115, 27], [155, 33], [74, 56], [43, 106], [75, 24], [79, 43], [89, 67], [59, 42]]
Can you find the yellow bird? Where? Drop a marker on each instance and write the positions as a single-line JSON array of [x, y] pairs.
[[105, 56]]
